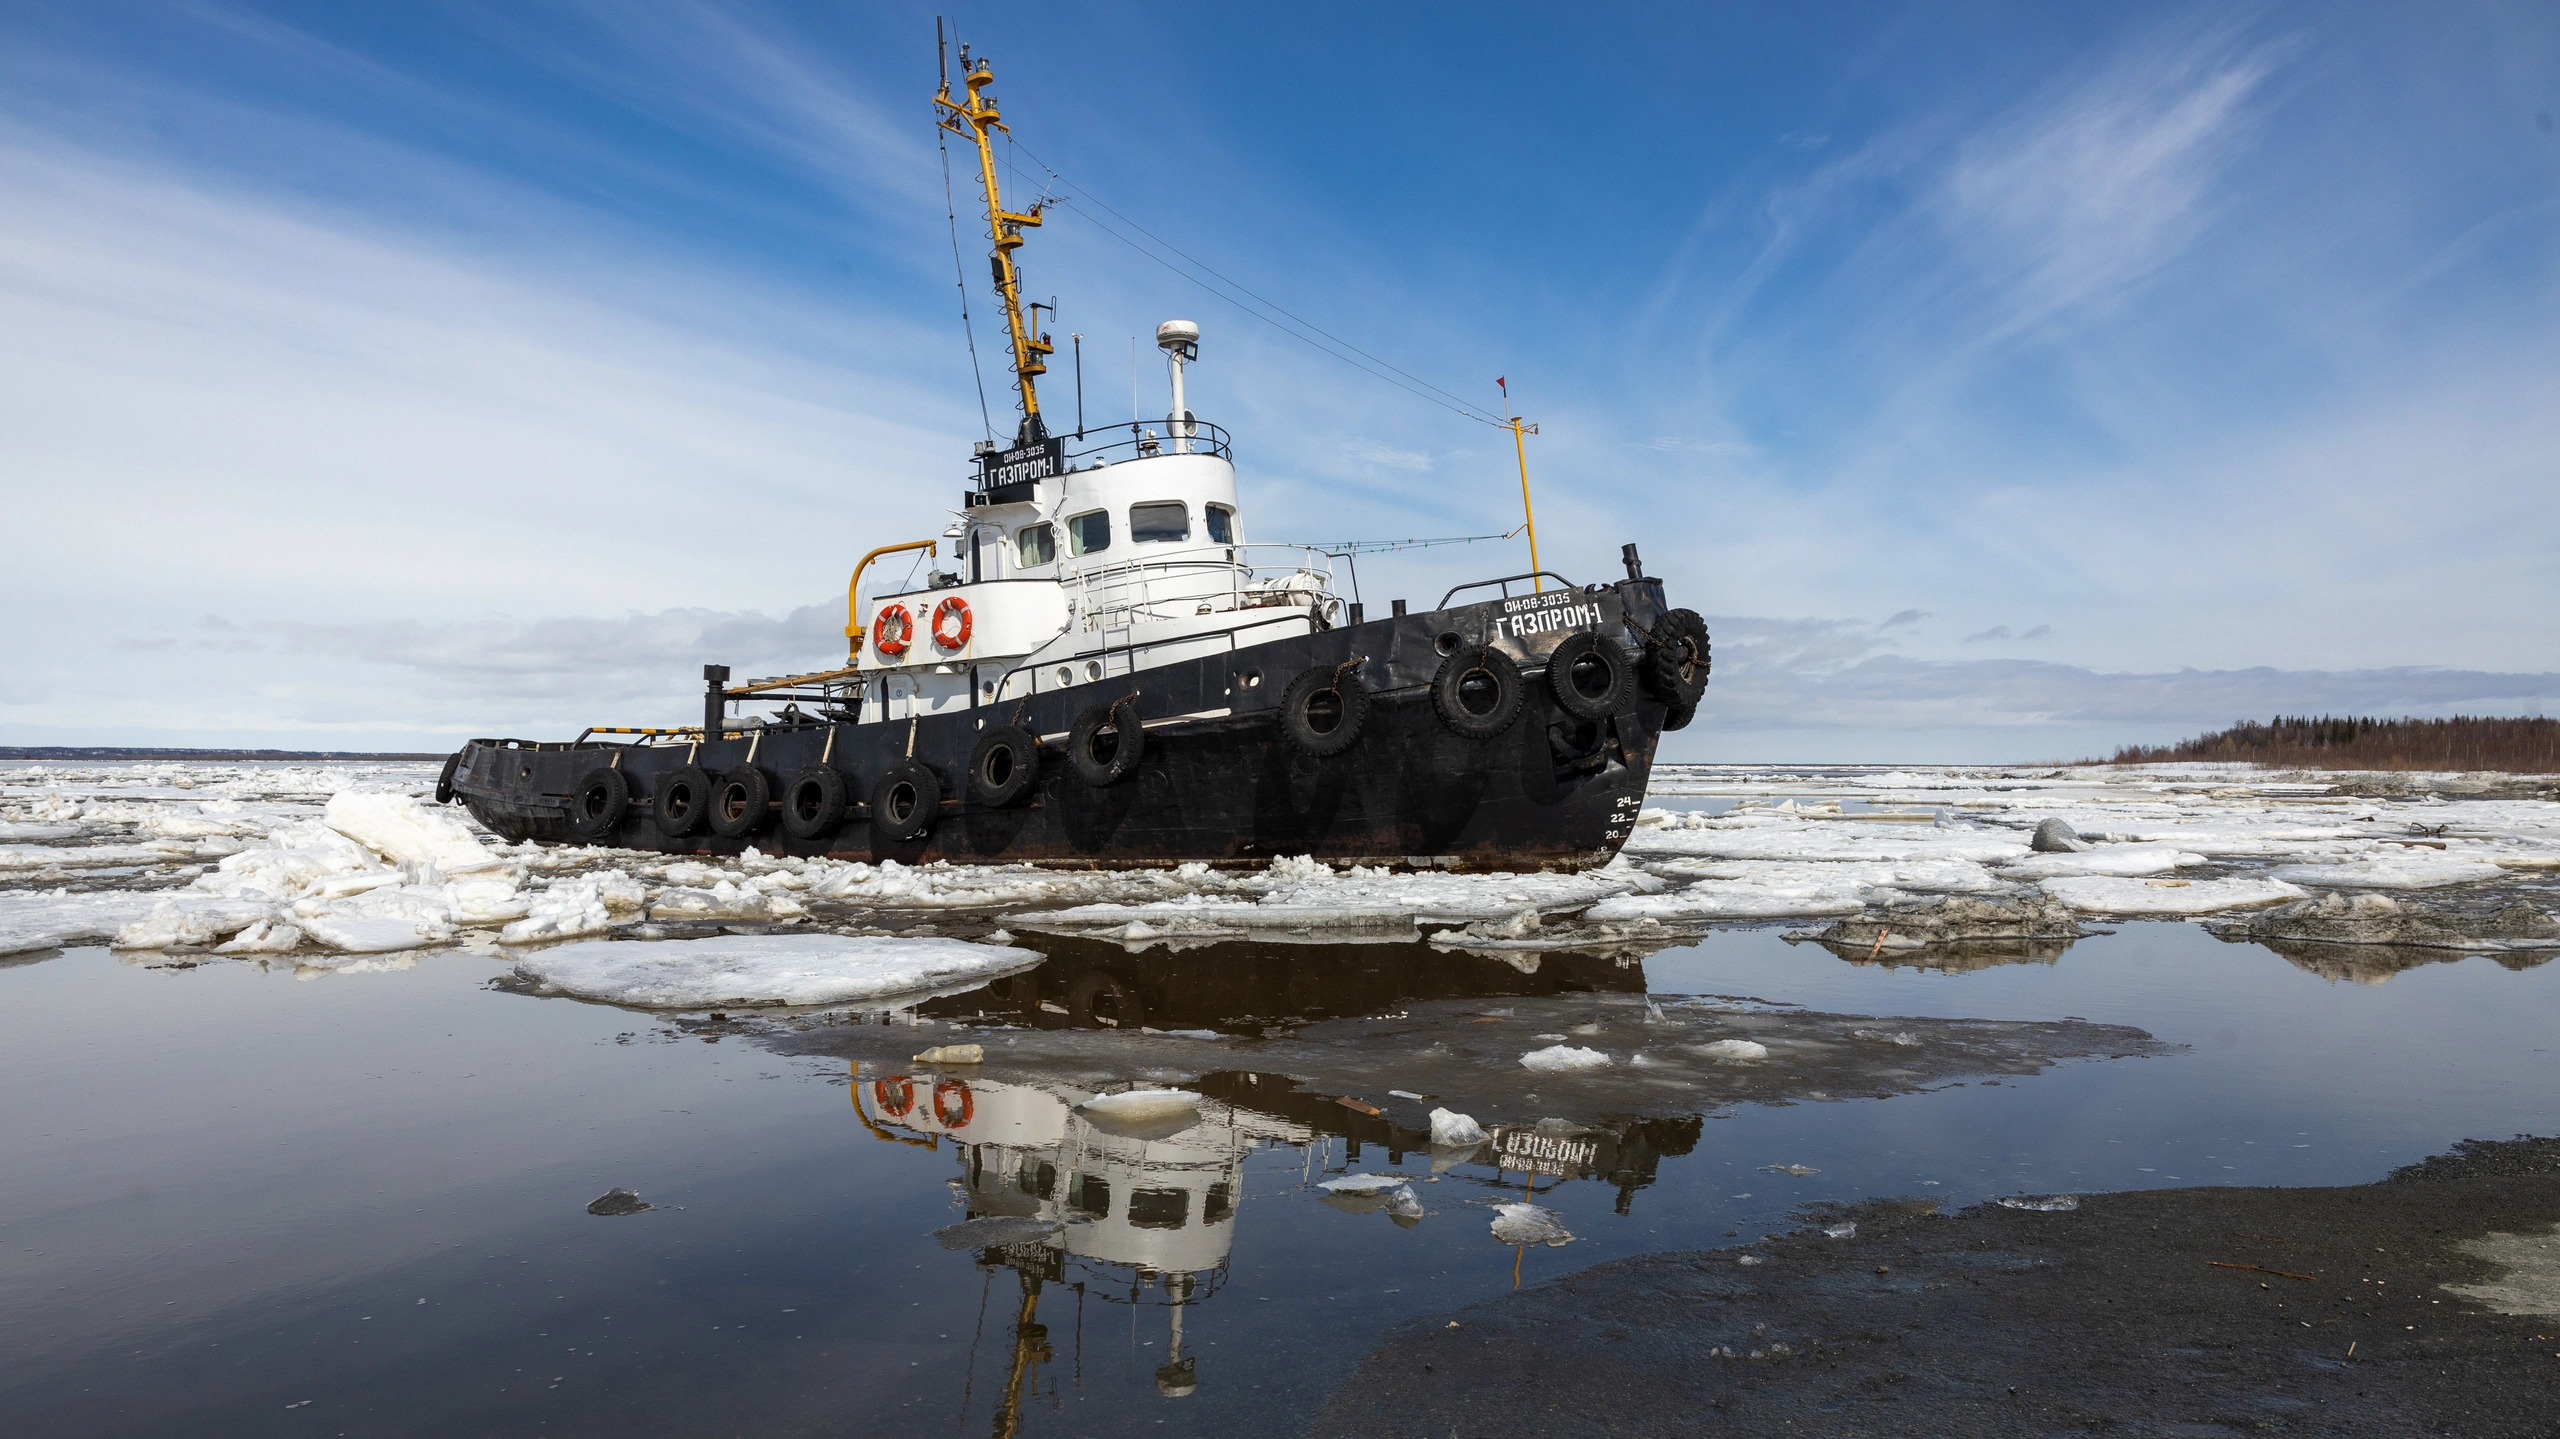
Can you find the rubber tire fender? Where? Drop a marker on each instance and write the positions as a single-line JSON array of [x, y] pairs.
[[597, 805], [683, 801], [924, 801], [1580, 652], [444, 781], [1015, 752], [1129, 742], [1128, 1010], [1463, 663], [741, 801], [1298, 700], [1678, 717], [1668, 675], [812, 802]]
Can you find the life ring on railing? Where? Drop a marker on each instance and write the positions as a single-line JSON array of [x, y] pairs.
[[893, 642], [894, 1102], [952, 604], [968, 1105]]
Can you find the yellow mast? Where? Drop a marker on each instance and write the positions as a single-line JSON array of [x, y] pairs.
[[974, 117], [1529, 517]]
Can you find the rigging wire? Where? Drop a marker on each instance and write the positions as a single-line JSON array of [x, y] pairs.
[[1388, 547], [1295, 327], [951, 211]]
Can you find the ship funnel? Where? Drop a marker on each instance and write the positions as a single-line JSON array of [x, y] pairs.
[[1180, 341]]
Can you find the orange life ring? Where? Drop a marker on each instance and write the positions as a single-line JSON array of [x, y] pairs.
[[968, 1105], [904, 1100], [889, 643], [951, 604]]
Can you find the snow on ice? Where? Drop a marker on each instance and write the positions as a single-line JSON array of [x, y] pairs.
[[768, 969]]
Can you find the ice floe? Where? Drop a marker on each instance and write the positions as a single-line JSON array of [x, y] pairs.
[[768, 969], [2155, 896], [2382, 920]]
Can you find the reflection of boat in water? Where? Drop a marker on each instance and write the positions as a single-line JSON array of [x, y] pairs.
[[1118, 1218], [1150, 1221], [1240, 987]]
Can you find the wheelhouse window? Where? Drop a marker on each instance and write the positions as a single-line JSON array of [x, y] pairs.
[[1222, 525], [1036, 544], [1087, 533], [1158, 522]]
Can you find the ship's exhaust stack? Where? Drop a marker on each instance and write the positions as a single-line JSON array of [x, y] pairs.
[[1180, 341]]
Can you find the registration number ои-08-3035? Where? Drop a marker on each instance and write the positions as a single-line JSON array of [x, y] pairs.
[[1543, 614]]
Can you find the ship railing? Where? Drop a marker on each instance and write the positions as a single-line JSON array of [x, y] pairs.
[[1144, 440], [1225, 579]]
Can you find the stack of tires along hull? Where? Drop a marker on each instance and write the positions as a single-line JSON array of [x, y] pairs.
[[1547, 789]]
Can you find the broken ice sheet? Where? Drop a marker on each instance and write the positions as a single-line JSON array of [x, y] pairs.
[[1529, 1224], [767, 969]]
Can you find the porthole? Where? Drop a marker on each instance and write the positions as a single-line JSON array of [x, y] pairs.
[[1447, 643], [1093, 669], [1066, 676]]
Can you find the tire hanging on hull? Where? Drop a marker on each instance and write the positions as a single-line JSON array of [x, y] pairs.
[[1478, 691], [596, 807], [1127, 739], [740, 801], [1322, 711], [1004, 766], [906, 801], [812, 802]]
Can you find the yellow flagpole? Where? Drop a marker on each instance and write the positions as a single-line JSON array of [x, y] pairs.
[[1530, 516]]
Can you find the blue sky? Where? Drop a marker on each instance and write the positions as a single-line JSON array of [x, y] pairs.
[[2007, 382]]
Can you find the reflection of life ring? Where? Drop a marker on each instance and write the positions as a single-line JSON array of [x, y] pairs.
[[951, 605], [945, 1117], [894, 1102], [893, 641]]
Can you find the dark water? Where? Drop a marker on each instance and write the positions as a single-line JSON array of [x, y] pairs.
[[238, 1203]]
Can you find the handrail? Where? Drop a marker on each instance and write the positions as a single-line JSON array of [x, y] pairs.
[[1505, 581], [853, 626]]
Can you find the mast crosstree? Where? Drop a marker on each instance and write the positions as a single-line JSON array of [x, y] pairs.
[[974, 117]]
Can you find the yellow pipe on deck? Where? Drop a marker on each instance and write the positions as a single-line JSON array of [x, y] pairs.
[[853, 626]]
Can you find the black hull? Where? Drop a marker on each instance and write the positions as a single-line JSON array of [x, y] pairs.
[[1550, 792]]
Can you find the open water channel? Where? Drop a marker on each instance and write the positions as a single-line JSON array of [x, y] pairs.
[[249, 1198]]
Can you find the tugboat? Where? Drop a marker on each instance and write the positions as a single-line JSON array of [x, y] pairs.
[[1114, 675]]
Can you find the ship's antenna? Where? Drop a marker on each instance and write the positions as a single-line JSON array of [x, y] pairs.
[[974, 116]]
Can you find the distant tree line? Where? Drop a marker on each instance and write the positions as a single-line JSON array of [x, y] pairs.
[[2464, 742]]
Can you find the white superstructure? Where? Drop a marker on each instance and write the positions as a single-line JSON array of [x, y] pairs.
[[1125, 549]]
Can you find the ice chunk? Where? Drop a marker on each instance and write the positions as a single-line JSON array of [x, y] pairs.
[[42, 921], [1449, 1128], [588, 904], [173, 923], [2042, 1203], [613, 1204], [1360, 1184], [1953, 920], [1840, 1231], [1734, 1049], [371, 934], [724, 900], [769, 968], [401, 828], [2380, 919], [1563, 1058], [267, 936], [953, 1054], [2055, 837], [2422, 870], [2138, 896], [2123, 860], [1143, 1113], [1529, 1224]]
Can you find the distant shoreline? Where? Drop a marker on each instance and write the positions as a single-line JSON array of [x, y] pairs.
[[110, 752]]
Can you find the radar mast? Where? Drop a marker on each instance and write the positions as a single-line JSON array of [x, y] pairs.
[[973, 117]]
